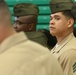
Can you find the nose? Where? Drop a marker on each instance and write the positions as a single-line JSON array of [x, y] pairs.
[[52, 21]]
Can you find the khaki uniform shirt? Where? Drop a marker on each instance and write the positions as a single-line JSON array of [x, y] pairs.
[[20, 56], [66, 54]]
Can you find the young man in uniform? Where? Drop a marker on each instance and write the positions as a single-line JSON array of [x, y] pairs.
[[61, 26], [20, 56], [26, 20]]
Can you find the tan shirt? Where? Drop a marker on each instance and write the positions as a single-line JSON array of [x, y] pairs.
[[66, 54], [19, 56]]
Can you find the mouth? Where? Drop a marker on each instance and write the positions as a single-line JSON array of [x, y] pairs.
[[52, 28], [16, 29]]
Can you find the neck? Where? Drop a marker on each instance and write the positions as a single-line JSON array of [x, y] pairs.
[[60, 38], [6, 32]]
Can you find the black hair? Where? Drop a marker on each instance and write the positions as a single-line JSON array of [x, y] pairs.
[[68, 13], [33, 19]]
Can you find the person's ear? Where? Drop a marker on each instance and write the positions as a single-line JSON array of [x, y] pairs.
[[70, 22], [31, 26]]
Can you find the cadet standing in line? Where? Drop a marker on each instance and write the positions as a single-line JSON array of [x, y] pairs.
[[20, 56], [26, 20], [61, 26]]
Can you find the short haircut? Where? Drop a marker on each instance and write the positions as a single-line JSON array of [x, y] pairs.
[[33, 19], [4, 10], [68, 14]]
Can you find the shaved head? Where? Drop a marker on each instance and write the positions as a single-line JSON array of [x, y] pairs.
[[4, 12]]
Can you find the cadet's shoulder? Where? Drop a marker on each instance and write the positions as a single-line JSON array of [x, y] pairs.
[[69, 55]]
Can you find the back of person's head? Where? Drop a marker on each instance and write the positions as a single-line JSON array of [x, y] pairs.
[[51, 40], [5, 15], [27, 11], [6, 28]]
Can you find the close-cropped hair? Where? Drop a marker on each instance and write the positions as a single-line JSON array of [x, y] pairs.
[[3, 4], [4, 10], [68, 14], [33, 19]]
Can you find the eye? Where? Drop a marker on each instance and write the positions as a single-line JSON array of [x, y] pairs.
[[51, 18], [20, 23], [16, 22], [57, 18]]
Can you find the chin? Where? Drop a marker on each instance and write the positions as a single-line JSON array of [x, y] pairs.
[[17, 30], [52, 33]]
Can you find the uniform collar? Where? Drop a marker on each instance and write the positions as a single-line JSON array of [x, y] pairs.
[[63, 43], [12, 40], [36, 34]]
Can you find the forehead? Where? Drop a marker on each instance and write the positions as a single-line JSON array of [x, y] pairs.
[[56, 14], [22, 18]]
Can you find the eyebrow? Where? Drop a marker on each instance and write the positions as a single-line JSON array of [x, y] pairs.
[[16, 20], [55, 16]]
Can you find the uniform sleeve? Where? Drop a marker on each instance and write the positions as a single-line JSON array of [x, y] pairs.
[[74, 68], [68, 62], [44, 65]]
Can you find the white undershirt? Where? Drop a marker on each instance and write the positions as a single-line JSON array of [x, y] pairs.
[[56, 45]]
